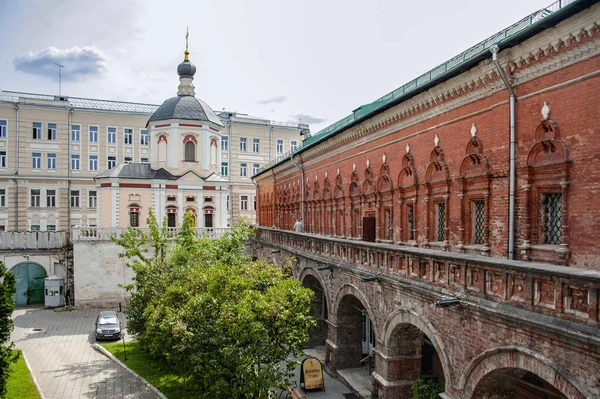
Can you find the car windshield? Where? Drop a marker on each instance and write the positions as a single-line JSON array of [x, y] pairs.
[[108, 320]]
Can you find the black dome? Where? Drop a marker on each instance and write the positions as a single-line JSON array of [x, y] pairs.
[[186, 69], [185, 107]]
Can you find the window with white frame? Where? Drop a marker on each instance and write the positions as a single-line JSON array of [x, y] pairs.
[[35, 227], [51, 161], [37, 131], [93, 134], [2, 197], [3, 124], [51, 131], [75, 133], [224, 168], [255, 145], [51, 227], [279, 148], [51, 198], [224, 143], [134, 217], [293, 145], [127, 159], [243, 170], [36, 160], [93, 162], [254, 206], [35, 198], [2, 159], [244, 203], [111, 137], [255, 168], [92, 199], [74, 198], [128, 136], [242, 144], [144, 160], [144, 140], [75, 162], [111, 161], [189, 153]]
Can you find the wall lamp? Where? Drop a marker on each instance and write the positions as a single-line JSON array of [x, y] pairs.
[[369, 278], [275, 252], [324, 267], [444, 303]]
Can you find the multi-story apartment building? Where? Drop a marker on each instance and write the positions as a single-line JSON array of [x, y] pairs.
[[51, 148], [248, 144]]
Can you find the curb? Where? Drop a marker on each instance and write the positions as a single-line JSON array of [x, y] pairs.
[[33, 376], [114, 359]]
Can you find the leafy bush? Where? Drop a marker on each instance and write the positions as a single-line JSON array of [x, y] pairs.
[[211, 313], [7, 306], [427, 389]]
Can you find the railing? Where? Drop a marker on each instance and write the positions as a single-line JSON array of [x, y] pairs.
[[105, 233], [31, 240], [560, 291], [446, 68]]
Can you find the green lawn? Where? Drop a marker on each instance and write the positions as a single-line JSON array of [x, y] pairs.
[[162, 378], [20, 384]]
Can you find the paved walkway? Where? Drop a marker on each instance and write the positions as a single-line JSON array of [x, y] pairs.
[[63, 360]]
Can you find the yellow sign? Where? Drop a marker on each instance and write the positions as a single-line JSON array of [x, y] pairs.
[[312, 373]]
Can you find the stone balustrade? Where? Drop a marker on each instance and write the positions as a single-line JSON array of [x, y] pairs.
[[105, 233], [32, 240], [560, 291]]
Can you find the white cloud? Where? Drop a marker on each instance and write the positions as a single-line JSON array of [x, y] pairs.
[[308, 119], [274, 100], [78, 62]]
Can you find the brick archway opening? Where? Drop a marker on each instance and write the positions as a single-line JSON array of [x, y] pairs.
[[353, 335], [508, 383], [318, 334], [408, 355]]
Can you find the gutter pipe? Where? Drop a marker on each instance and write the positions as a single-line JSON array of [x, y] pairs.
[[16, 180], [302, 172], [69, 170], [230, 171], [511, 203]]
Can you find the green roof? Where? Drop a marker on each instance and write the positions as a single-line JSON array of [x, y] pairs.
[[515, 33]]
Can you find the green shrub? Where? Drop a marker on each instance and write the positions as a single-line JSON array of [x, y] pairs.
[[427, 389]]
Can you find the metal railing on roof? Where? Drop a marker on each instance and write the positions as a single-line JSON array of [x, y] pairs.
[[82, 103], [445, 68], [226, 115]]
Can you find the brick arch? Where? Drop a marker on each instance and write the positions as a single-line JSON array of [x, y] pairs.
[[548, 152], [309, 271], [162, 137], [190, 137], [515, 357], [350, 289], [404, 316]]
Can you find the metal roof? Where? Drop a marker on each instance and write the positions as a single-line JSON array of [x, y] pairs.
[[137, 171], [185, 107], [81, 103], [515, 33]]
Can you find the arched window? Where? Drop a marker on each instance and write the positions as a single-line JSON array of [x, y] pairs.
[[190, 152], [134, 215]]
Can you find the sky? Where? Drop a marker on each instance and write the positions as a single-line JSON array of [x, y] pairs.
[[312, 61]]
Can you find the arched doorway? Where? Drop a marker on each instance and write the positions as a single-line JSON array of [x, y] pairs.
[[515, 383], [355, 334], [29, 282], [318, 334]]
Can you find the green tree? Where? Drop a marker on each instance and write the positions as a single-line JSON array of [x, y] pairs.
[[227, 323], [7, 306], [427, 389]]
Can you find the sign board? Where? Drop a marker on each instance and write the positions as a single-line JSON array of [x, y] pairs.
[[311, 374]]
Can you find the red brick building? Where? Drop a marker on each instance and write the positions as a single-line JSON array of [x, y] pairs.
[[407, 202]]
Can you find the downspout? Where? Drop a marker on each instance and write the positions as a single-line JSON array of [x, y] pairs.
[[16, 179], [302, 172], [69, 171], [229, 172], [512, 171]]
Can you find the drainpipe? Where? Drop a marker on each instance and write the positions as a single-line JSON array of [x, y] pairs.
[[302, 172], [511, 203], [16, 180], [230, 171], [69, 171]]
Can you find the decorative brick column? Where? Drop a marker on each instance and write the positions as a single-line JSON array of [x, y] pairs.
[[343, 346]]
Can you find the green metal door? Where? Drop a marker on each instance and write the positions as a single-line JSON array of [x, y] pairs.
[[29, 283]]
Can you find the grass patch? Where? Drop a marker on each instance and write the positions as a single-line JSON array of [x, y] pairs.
[[172, 385], [20, 384]]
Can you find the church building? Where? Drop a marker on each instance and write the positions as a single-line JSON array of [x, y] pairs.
[[183, 173]]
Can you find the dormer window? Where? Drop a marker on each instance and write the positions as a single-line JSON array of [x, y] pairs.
[[190, 152]]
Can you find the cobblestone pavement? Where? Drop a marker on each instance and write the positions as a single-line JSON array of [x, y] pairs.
[[63, 360]]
